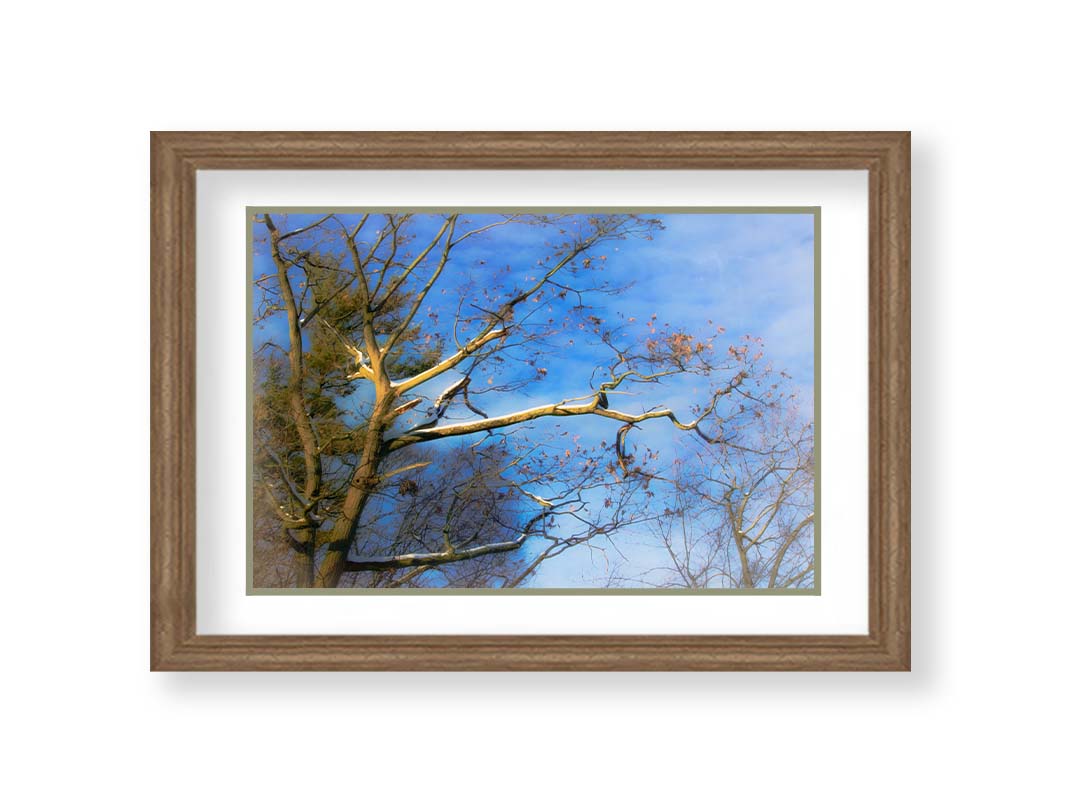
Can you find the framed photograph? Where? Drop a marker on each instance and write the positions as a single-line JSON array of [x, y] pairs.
[[530, 401]]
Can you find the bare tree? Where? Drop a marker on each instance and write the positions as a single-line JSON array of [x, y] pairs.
[[397, 333], [743, 517]]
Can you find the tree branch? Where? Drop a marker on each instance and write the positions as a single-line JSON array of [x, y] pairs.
[[416, 304], [473, 346], [380, 563], [560, 409]]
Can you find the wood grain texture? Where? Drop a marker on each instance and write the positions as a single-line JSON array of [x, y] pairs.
[[176, 157]]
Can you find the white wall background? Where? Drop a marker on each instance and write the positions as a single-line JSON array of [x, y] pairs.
[[980, 87]]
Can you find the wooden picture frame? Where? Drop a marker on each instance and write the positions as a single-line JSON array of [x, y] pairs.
[[175, 159]]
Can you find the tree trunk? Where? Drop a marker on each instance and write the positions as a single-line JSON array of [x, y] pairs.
[[304, 563], [364, 479], [742, 554]]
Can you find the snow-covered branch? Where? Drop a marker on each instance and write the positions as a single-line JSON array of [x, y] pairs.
[[562, 409], [469, 349], [380, 563]]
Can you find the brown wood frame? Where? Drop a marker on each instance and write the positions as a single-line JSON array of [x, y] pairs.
[[176, 157]]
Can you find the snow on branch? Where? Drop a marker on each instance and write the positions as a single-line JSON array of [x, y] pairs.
[[381, 563], [469, 349], [561, 409]]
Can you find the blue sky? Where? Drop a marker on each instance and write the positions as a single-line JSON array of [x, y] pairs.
[[750, 274]]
